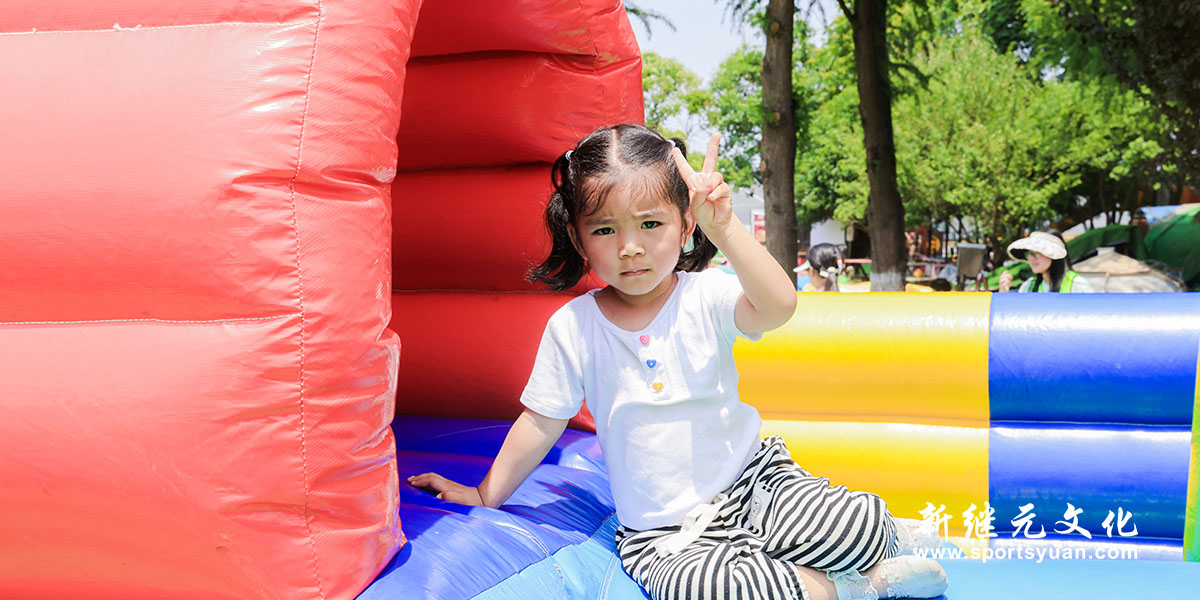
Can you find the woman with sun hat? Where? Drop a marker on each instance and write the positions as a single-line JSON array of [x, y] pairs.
[[1046, 253]]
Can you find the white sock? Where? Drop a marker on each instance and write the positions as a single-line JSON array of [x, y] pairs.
[[911, 576], [899, 577]]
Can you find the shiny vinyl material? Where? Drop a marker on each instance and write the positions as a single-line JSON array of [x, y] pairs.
[[197, 377], [1143, 471], [474, 368], [841, 357], [1107, 358], [495, 92], [908, 465], [495, 217], [552, 539], [880, 392], [519, 81]]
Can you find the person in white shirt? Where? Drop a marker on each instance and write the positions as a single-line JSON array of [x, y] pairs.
[[653, 355]]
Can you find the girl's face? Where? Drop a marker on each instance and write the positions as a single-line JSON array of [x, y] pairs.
[[633, 241], [1037, 261]]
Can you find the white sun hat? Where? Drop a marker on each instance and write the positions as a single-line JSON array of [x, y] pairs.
[[1041, 242]]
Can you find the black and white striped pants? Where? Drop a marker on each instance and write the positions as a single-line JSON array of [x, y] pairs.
[[773, 518]]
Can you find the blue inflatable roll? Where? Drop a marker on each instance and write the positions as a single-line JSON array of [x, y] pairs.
[[1103, 358], [1143, 471], [554, 538]]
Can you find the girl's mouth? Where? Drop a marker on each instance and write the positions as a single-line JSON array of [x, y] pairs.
[[634, 273]]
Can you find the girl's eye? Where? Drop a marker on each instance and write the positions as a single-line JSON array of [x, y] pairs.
[[603, 231], [650, 224]]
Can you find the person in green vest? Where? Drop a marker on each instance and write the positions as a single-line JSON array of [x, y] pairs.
[[1046, 253]]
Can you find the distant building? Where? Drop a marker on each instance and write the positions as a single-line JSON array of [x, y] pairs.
[[749, 207]]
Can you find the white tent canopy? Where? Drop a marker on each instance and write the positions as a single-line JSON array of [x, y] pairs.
[[1112, 272]]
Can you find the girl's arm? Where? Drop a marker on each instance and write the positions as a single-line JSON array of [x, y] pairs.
[[770, 292], [530, 438]]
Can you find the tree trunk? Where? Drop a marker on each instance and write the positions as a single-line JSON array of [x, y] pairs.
[[885, 212], [779, 135]]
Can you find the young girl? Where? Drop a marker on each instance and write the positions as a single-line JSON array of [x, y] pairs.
[[707, 509], [1046, 253], [824, 264]]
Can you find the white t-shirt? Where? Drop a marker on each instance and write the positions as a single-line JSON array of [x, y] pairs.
[[668, 417]]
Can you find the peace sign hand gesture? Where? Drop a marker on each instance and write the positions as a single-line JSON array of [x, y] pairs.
[[712, 200]]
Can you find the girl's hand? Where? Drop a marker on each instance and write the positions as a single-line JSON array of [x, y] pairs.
[[712, 200], [446, 489], [1006, 280]]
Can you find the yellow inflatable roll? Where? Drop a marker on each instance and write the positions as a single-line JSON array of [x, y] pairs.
[[886, 393]]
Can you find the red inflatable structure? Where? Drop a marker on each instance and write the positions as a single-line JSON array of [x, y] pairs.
[[198, 376], [495, 92]]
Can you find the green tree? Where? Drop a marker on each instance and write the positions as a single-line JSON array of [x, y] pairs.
[[988, 145], [778, 141], [733, 106], [885, 211], [1144, 46], [670, 91]]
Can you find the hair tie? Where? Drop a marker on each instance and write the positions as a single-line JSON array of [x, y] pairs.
[[568, 155]]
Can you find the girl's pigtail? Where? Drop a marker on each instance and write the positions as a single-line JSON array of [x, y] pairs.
[[831, 282], [564, 267]]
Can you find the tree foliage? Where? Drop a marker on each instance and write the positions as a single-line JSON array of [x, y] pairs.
[[980, 142], [671, 92], [1145, 47], [988, 131], [989, 144], [733, 106]]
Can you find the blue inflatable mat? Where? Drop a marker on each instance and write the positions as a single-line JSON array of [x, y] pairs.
[[554, 538]]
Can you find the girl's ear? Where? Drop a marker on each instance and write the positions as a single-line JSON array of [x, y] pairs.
[[574, 235], [689, 227]]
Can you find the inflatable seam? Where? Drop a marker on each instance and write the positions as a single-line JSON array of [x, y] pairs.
[[117, 27], [1089, 426], [153, 320], [608, 570], [532, 538], [595, 68], [300, 300]]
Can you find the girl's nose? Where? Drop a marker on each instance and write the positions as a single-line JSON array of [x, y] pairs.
[[630, 248]]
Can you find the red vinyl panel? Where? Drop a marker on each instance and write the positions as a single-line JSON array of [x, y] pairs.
[[468, 354], [197, 378]]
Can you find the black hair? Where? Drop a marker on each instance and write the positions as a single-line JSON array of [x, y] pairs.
[[941, 285], [1058, 267], [825, 256], [584, 175]]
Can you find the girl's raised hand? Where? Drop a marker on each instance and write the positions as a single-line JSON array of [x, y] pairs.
[[712, 200], [446, 489]]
